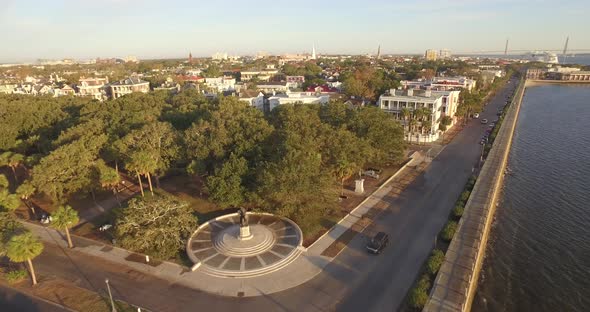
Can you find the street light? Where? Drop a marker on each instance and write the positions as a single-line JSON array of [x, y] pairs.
[[110, 295]]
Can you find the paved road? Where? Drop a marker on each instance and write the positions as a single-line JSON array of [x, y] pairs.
[[355, 281], [14, 301]]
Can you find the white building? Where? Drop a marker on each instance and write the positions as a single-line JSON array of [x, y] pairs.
[[127, 86], [441, 83], [253, 98], [273, 87], [262, 75], [444, 54], [220, 56], [295, 98], [439, 103], [221, 84], [93, 87]]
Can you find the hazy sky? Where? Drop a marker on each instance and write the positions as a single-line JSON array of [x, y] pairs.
[[34, 29]]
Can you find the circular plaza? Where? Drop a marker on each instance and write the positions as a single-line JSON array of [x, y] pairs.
[[244, 245]]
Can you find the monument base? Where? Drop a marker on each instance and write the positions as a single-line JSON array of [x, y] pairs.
[[245, 233]]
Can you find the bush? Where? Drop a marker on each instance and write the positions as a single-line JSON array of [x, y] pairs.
[[435, 261], [449, 231], [464, 196], [458, 210], [471, 183], [16, 276], [419, 294]]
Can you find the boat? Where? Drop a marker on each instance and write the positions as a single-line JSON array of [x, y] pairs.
[[543, 57]]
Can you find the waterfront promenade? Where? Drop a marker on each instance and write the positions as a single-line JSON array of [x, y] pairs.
[[456, 282]]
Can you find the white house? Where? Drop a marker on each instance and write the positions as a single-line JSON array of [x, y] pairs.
[[93, 87], [296, 98], [270, 87], [439, 103], [127, 86], [221, 84]]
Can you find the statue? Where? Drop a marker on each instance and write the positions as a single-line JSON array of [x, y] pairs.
[[243, 217]]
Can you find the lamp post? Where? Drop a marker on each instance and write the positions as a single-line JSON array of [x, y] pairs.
[[110, 295]]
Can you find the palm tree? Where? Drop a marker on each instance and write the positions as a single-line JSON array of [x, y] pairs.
[[7, 200], [24, 247], [64, 218], [405, 112], [344, 169], [142, 164], [109, 179], [15, 161], [25, 191]]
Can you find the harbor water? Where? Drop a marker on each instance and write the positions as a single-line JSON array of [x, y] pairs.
[[538, 256]]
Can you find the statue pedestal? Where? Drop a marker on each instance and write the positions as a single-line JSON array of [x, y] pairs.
[[359, 186], [245, 233]]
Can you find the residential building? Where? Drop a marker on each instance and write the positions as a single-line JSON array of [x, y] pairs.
[[65, 90], [431, 55], [295, 98], [221, 84], [169, 85], [273, 87], [441, 83], [295, 81], [127, 86], [7, 88], [93, 87], [261, 75], [438, 103], [253, 98]]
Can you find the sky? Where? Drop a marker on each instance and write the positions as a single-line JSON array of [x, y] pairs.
[[34, 29]]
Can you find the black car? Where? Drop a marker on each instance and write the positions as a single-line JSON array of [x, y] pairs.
[[377, 243]]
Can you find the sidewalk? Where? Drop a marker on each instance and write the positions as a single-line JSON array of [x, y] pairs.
[[304, 268]]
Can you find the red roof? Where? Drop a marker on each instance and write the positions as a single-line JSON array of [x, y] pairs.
[[322, 89]]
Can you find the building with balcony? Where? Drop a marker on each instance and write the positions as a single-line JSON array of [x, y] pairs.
[[294, 98], [126, 86], [272, 87], [431, 55], [93, 87], [420, 128], [221, 84]]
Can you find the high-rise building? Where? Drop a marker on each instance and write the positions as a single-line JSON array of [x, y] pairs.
[[444, 54], [379, 52], [431, 55]]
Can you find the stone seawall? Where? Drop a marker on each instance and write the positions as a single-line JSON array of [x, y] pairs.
[[456, 282]]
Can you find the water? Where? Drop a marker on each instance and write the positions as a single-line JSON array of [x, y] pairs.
[[581, 59], [538, 256]]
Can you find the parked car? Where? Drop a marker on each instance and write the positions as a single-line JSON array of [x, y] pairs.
[[484, 121], [492, 125], [378, 243], [45, 219], [476, 115]]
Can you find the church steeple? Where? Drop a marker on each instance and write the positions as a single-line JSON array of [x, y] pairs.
[[313, 56], [190, 58]]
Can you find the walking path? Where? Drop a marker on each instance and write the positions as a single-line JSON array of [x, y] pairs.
[[301, 270]]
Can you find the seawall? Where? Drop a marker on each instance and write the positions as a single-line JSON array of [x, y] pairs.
[[455, 285]]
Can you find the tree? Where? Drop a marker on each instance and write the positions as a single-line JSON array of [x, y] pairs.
[[24, 247], [449, 230], [226, 186], [150, 150], [25, 191], [382, 132], [8, 201], [13, 160], [69, 168], [156, 225], [445, 121], [109, 178], [64, 218], [9, 227]]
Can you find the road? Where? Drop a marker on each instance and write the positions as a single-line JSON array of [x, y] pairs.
[[354, 281]]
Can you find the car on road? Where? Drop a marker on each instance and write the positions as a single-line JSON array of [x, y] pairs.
[[492, 125], [484, 121], [378, 242], [476, 115]]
